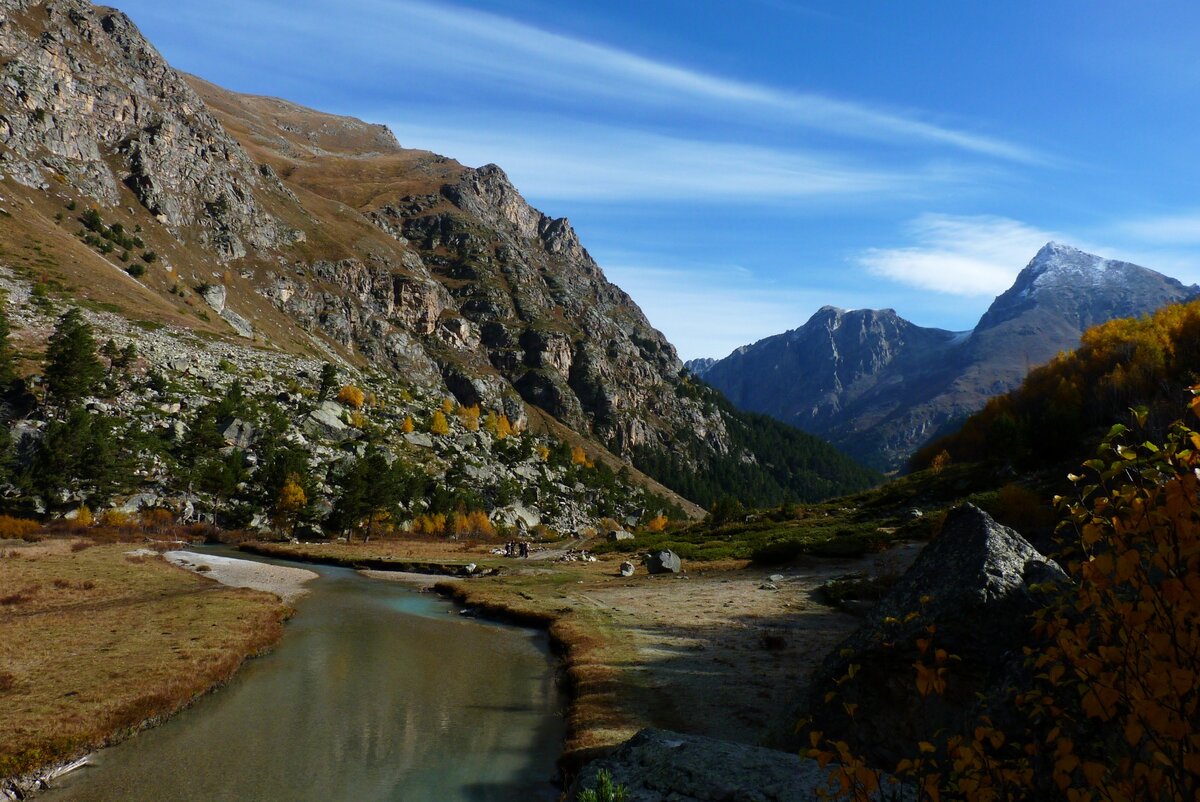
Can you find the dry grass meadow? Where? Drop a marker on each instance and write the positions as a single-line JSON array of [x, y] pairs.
[[96, 642]]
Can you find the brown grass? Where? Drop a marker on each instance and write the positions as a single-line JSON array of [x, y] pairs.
[[107, 645]]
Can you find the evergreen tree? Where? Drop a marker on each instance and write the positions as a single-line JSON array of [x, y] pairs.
[[329, 378], [76, 454], [8, 367], [72, 370], [368, 489]]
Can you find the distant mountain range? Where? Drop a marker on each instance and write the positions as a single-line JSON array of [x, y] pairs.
[[879, 387]]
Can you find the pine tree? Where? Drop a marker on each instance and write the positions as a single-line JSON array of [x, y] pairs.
[[438, 424], [8, 368], [329, 379], [72, 368]]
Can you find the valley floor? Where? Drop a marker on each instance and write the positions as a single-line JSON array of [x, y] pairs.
[[99, 641], [722, 650]]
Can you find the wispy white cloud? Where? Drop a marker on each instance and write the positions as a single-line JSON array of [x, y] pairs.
[[959, 255], [543, 58], [410, 38], [561, 160]]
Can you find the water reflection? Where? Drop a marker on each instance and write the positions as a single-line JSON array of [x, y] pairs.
[[376, 693]]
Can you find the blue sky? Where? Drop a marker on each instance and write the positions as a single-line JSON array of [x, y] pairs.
[[736, 166]]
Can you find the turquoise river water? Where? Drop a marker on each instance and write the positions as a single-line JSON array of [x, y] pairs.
[[377, 693]]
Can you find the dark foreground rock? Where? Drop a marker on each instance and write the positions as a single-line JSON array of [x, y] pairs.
[[661, 766], [663, 562], [976, 585]]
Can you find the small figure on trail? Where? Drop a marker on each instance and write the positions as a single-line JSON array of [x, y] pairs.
[[524, 549]]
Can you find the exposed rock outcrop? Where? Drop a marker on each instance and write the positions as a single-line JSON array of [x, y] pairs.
[[91, 91], [662, 766], [976, 584]]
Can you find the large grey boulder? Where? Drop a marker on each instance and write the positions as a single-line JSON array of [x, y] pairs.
[[326, 420], [239, 434], [662, 766], [663, 562], [976, 584], [620, 534]]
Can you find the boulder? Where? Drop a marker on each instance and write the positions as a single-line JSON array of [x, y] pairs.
[[662, 766], [977, 583], [419, 439], [663, 562], [326, 419], [620, 534], [627, 568], [239, 433]]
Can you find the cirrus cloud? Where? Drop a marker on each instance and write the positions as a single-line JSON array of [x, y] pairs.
[[972, 256]]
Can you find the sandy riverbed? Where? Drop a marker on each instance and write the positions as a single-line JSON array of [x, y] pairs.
[[285, 582]]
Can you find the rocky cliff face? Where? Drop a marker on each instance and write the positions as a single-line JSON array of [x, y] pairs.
[[880, 387], [322, 236], [89, 103]]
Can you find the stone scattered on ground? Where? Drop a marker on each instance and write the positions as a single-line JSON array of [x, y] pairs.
[[627, 568]]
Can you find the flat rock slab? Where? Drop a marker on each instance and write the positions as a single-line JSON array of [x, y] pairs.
[[285, 582], [662, 766]]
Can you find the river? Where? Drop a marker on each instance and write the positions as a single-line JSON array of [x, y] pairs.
[[377, 693]]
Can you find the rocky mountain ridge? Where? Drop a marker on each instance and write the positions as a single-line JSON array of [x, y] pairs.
[[879, 386], [318, 235]]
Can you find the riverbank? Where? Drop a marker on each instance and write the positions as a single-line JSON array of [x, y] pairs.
[[285, 582], [722, 650], [100, 641]]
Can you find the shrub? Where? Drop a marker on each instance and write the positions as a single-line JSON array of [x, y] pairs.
[[83, 516], [438, 424], [604, 791], [19, 529], [156, 519], [351, 396], [470, 417]]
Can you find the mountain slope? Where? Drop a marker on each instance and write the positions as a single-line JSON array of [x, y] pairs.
[[322, 236], [879, 386]]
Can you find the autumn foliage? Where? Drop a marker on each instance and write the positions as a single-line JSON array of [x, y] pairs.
[[352, 396], [1123, 363], [1110, 705]]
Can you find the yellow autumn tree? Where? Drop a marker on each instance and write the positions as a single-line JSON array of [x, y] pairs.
[[408, 425], [438, 424], [580, 457], [505, 428], [290, 503], [657, 524], [448, 406], [491, 425], [351, 396], [543, 452], [469, 417]]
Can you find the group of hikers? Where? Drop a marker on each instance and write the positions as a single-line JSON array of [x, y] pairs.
[[516, 548]]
